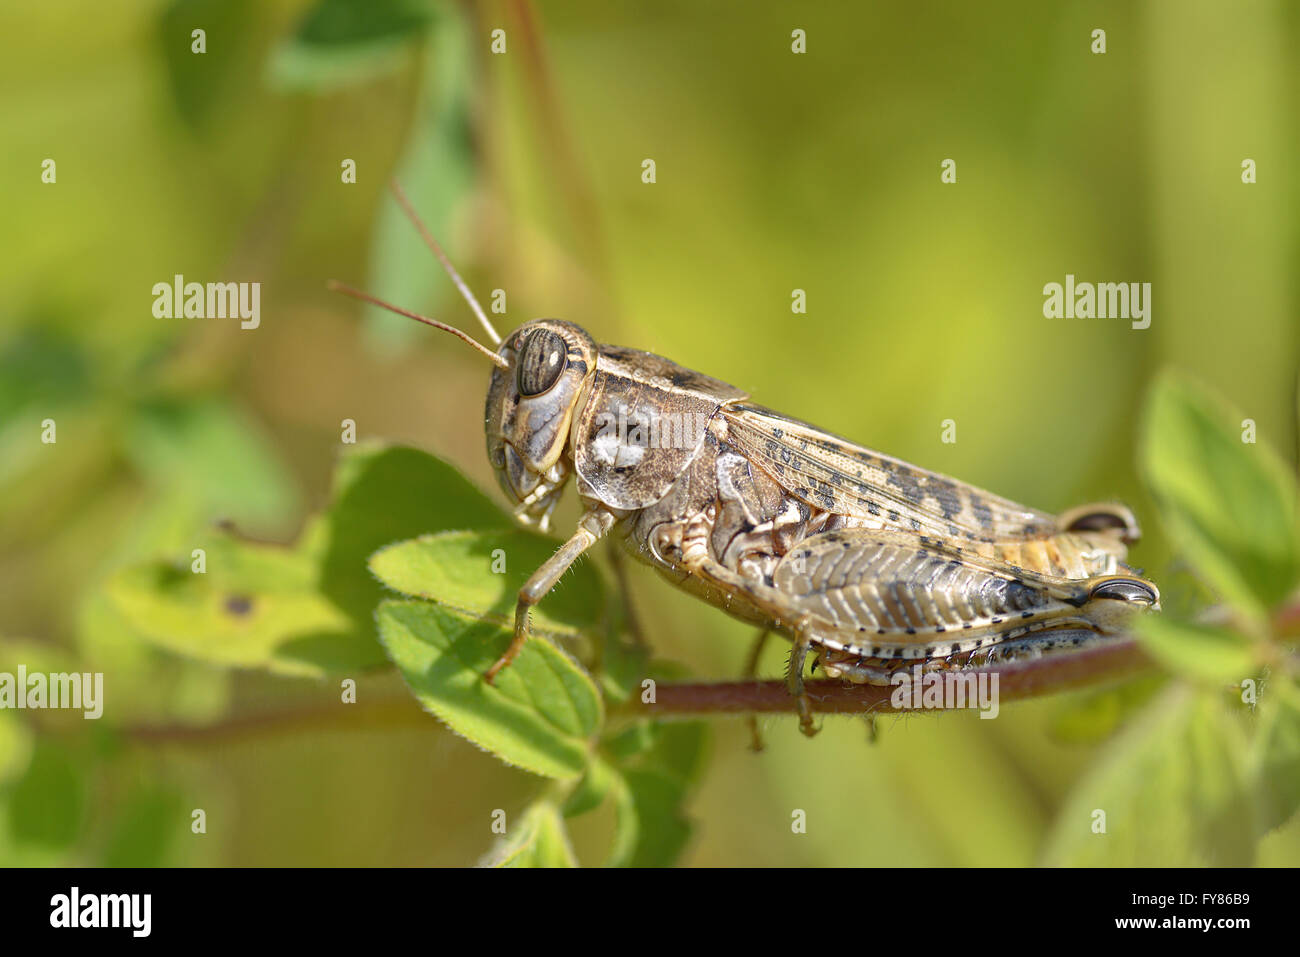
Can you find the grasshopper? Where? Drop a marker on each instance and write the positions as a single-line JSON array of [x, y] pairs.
[[868, 562]]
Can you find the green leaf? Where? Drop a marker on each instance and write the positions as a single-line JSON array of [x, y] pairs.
[[480, 573], [41, 367], [341, 42], [47, 806], [624, 662], [144, 829], [306, 609], [40, 372], [1276, 759], [1173, 788], [214, 457], [538, 840], [199, 83], [540, 714], [1230, 506], [660, 763], [1204, 652], [596, 785], [150, 685], [257, 606], [651, 830], [384, 494]]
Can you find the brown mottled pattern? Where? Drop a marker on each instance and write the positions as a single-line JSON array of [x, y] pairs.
[[639, 383], [859, 582], [652, 370], [838, 476], [871, 556]]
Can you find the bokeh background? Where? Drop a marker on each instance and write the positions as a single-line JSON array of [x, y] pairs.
[[775, 171]]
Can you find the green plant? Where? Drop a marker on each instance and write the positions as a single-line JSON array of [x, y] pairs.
[[223, 687], [1212, 764], [440, 602], [1199, 772]]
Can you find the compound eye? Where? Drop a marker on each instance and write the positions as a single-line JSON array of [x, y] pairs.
[[542, 358]]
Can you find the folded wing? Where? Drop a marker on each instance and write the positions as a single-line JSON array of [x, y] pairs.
[[835, 475]]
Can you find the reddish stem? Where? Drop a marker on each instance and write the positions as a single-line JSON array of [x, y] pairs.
[[833, 696]]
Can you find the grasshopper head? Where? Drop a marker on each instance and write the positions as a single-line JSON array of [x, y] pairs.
[[543, 370], [531, 405]]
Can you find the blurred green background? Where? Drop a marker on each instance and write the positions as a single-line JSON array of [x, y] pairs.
[[775, 171]]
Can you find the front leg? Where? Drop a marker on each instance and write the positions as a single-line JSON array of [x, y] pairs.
[[591, 527]]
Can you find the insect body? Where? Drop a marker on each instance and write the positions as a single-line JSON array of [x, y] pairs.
[[869, 562]]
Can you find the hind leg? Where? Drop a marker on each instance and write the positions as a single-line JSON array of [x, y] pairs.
[[751, 671], [778, 606], [794, 682]]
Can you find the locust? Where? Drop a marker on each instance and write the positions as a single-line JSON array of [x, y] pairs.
[[866, 562]]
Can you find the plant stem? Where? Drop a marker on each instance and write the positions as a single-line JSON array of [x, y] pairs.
[[1016, 681]]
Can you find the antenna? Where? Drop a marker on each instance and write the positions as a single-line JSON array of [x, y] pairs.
[[434, 245], [336, 286]]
